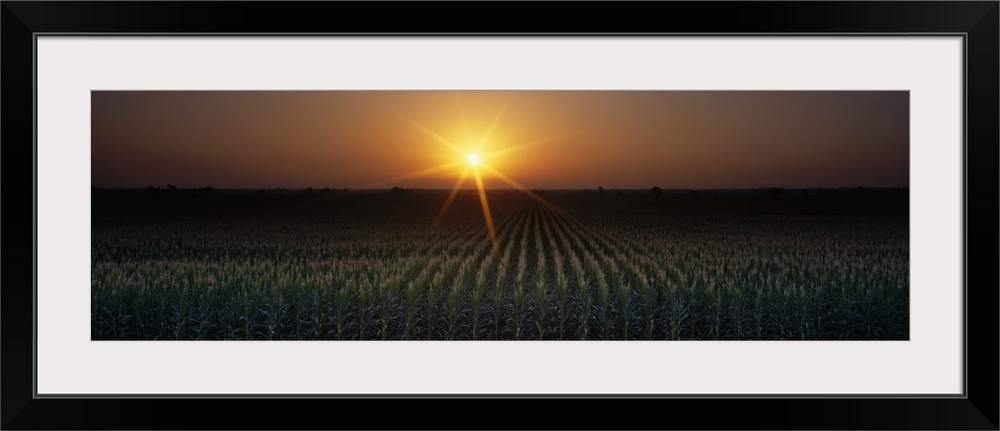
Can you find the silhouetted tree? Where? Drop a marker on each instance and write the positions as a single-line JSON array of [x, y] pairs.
[[308, 190], [206, 189], [657, 191], [171, 189], [600, 190]]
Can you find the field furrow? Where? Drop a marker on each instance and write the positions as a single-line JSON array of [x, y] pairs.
[[375, 267]]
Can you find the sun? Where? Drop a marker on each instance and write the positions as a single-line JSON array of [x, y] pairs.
[[477, 168]]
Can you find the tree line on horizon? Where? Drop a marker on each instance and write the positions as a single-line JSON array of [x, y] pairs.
[[656, 191]]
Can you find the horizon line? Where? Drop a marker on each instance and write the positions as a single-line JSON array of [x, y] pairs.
[[606, 189]]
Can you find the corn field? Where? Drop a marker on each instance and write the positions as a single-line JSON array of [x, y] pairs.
[[373, 266]]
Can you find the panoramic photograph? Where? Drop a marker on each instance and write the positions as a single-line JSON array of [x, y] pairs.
[[500, 215]]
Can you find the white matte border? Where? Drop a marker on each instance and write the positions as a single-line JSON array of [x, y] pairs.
[[68, 68]]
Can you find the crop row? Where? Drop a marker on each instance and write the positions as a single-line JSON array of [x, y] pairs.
[[553, 276]]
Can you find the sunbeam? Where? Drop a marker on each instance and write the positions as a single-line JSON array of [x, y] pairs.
[[526, 145], [463, 116], [417, 174], [486, 211], [493, 124], [510, 181], [451, 197], [475, 160], [430, 133]]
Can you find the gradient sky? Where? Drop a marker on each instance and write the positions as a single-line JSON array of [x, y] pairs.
[[576, 139]]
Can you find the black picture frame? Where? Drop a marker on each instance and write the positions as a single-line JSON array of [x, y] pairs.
[[978, 23]]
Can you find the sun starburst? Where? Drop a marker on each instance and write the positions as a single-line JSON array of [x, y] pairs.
[[475, 164]]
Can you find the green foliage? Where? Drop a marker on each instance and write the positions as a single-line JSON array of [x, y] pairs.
[[374, 274]]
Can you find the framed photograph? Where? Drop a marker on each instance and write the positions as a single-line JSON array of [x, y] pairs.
[[790, 219]]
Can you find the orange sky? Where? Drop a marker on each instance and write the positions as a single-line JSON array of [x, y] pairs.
[[582, 139]]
